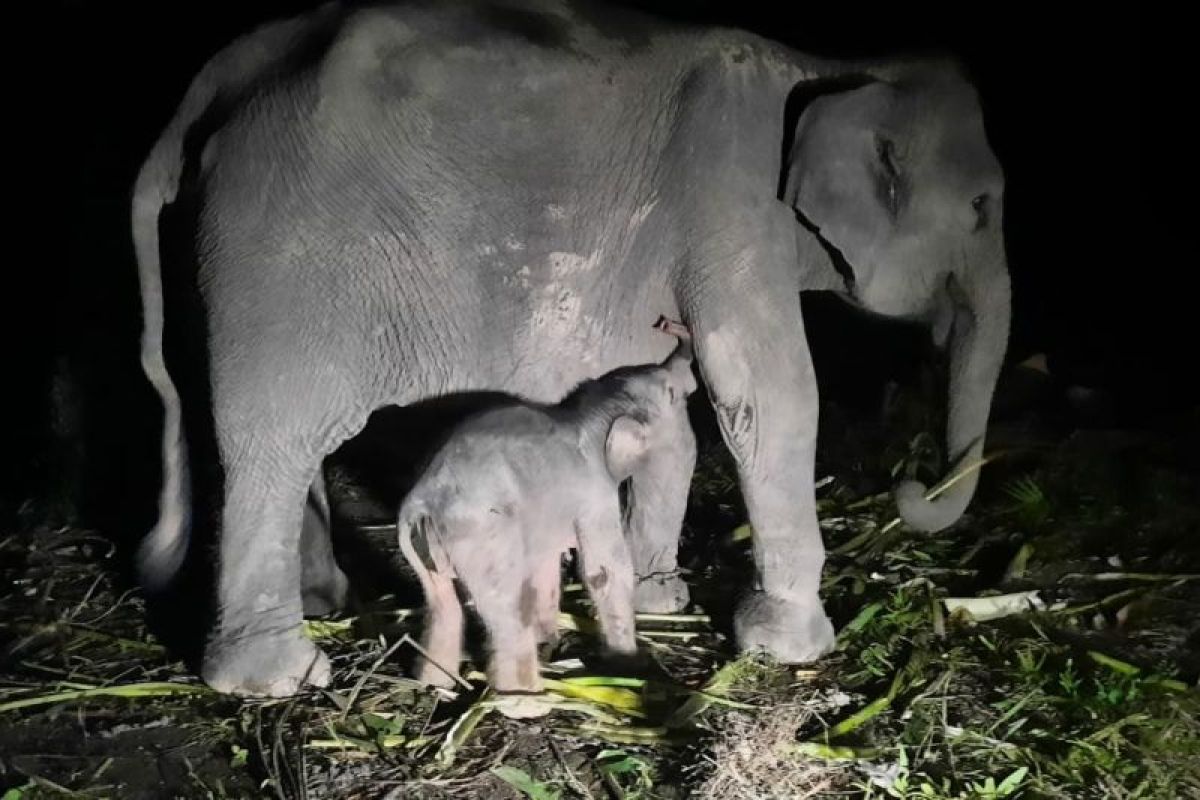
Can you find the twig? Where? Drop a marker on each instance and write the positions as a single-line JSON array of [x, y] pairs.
[[680, 618], [425, 654], [572, 779], [950, 480], [1128, 576], [1101, 603], [369, 672]]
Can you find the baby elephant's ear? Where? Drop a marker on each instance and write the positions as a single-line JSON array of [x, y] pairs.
[[625, 447]]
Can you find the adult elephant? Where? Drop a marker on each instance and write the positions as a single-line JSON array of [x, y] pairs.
[[390, 204]]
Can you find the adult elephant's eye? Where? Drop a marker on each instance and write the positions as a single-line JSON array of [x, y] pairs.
[[885, 152], [979, 204], [885, 149]]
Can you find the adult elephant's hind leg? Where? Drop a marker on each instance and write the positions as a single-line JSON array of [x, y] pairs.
[[325, 587], [657, 501], [258, 646]]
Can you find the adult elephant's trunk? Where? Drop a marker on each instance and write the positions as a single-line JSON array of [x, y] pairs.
[[977, 345]]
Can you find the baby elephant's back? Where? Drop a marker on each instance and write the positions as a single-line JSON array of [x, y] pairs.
[[516, 462]]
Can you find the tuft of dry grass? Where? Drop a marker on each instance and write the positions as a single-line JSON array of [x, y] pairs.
[[753, 756]]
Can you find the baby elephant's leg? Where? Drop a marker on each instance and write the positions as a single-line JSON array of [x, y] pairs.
[[443, 635], [608, 574], [442, 638], [497, 575], [547, 590]]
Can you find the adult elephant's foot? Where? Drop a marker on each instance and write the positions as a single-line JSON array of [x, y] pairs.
[[792, 630], [264, 665], [661, 593]]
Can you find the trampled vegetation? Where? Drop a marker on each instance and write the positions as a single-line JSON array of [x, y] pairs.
[[1047, 646]]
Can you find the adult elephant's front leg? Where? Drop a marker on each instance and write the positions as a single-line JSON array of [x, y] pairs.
[[257, 646], [657, 502], [755, 360]]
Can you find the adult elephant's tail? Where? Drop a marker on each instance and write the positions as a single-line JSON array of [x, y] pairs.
[[162, 551], [227, 76], [977, 343]]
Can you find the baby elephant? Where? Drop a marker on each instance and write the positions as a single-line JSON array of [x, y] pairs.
[[512, 489]]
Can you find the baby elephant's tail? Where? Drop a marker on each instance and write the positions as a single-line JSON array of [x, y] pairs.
[[414, 516], [443, 622]]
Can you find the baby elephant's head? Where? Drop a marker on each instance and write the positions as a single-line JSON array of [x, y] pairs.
[[660, 396]]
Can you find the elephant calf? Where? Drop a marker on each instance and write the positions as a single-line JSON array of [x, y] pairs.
[[513, 489]]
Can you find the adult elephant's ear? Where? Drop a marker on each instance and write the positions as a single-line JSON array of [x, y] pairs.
[[844, 172], [626, 446], [799, 101]]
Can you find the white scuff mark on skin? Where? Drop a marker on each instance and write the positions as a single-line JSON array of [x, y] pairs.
[[639, 216], [486, 250], [512, 243], [556, 212], [558, 321], [558, 309], [563, 265], [732, 392]]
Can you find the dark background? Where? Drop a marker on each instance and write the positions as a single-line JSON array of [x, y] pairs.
[[1063, 97]]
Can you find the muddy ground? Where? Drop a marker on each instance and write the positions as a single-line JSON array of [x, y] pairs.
[[1080, 681]]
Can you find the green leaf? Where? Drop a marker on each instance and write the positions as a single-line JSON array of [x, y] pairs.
[[615, 762], [1010, 784], [130, 691], [742, 533], [520, 780], [868, 613]]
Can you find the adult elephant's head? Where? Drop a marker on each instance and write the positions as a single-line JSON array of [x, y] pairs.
[[897, 180]]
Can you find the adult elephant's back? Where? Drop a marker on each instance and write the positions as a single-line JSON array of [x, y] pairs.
[[454, 188], [376, 207]]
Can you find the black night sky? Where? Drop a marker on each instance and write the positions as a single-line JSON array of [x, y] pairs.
[[1064, 104]]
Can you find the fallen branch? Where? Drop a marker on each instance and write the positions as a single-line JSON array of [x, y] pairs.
[[1128, 576]]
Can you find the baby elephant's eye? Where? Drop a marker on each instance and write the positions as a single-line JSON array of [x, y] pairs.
[[671, 393], [979, 204]]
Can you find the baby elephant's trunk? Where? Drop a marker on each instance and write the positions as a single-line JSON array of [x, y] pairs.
[[680, 361]]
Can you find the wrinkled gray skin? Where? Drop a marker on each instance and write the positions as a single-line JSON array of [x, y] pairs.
[[513, 489], [397, 204]]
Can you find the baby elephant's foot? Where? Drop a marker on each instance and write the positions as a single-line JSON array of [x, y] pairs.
[[794, 631], [660, 593], [264, 665], [523, 706], [432, 674]]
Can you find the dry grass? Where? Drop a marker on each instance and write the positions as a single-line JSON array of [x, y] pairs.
[[1097, 692], [754, 756]]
